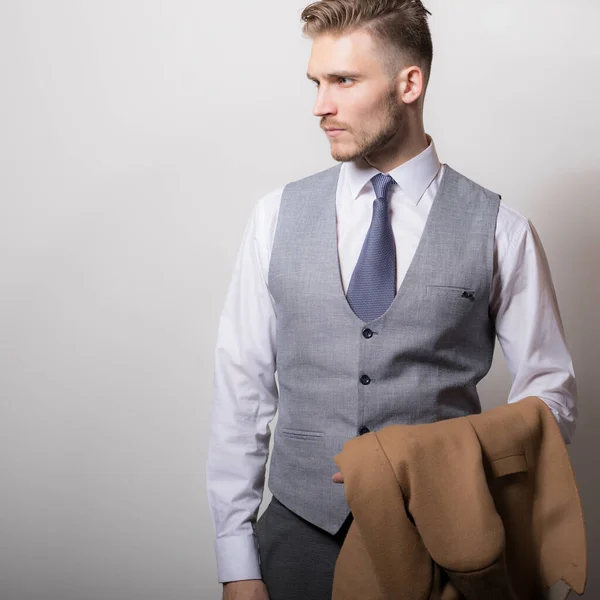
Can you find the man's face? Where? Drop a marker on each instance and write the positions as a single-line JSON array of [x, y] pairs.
[[355, 95]]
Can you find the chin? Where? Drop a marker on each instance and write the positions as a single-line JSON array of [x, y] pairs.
[[343, 155]]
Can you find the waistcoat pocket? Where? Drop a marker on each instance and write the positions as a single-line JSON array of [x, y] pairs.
[[300, 433], [449, 303]]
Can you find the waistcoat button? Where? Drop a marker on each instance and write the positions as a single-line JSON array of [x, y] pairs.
[[363, 430], [367, 333], [365, 379]]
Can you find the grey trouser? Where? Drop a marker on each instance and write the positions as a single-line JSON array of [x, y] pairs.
[[297, 557]]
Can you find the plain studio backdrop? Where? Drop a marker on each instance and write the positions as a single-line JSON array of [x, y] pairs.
[[136, 137]]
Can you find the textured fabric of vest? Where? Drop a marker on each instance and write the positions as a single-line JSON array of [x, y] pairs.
[[425, 355]]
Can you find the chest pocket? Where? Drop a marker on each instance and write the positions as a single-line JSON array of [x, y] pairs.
[[449, 305]]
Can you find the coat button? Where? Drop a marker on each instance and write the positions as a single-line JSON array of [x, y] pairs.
[[363, 430], [365, 379], [367, 333]]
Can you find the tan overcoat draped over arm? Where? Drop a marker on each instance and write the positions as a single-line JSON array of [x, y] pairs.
[[478, 507]]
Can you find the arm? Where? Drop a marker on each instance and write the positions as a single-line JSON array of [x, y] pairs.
[[529, 327], [244, 403]]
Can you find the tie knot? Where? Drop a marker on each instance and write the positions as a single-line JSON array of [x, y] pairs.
[[381, 184]]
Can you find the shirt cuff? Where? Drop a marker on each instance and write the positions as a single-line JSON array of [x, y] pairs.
[[566, 426], [237, 558]]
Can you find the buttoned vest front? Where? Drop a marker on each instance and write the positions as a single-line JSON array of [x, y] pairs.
[[419, 362]]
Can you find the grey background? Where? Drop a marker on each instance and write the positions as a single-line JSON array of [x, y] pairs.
[[121, 125]]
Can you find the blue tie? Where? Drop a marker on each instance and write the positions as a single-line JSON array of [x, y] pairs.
[[373, 284]]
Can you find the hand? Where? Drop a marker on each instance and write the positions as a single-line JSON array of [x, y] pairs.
[[249, 589], [338, 478]]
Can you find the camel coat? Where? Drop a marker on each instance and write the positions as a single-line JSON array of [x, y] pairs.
[[478, 507]]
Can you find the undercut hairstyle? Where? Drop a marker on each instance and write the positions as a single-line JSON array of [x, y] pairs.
[[399, 27]]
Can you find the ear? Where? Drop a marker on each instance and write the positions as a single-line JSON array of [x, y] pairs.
[[411, 84]]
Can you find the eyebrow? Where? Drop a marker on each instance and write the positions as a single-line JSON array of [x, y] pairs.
[[348, 74]]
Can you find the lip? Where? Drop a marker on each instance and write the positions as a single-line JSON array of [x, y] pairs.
[[334, 132]]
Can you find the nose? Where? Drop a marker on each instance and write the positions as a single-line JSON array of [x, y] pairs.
[[324, 104]]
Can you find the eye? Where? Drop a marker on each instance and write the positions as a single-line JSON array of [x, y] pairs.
[[344, 79]]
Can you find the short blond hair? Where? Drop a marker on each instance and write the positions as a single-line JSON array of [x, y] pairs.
[[399, 26]]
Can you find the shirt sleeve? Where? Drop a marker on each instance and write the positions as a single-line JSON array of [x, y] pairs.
[[244, 402], [530, 330]]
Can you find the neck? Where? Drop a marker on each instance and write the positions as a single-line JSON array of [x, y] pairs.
[[405, 145]]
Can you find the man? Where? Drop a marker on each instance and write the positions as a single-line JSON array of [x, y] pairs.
[[375, 289]]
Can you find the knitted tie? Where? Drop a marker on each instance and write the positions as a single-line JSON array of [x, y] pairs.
[[373, 284]]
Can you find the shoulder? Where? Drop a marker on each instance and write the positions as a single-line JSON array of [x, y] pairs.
[[265, 214], [473, 189], [511, 224], [270, 202], [515, 239], [266, 210], [308, 182]]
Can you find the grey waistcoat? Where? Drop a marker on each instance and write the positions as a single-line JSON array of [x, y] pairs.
[[417, 363]]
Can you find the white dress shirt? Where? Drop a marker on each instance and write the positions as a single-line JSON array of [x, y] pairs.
[[522, 303]]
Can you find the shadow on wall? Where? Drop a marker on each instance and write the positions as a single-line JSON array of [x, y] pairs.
[[570, 234]]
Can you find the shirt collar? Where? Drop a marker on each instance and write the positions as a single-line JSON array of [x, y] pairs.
[[413, 177]]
